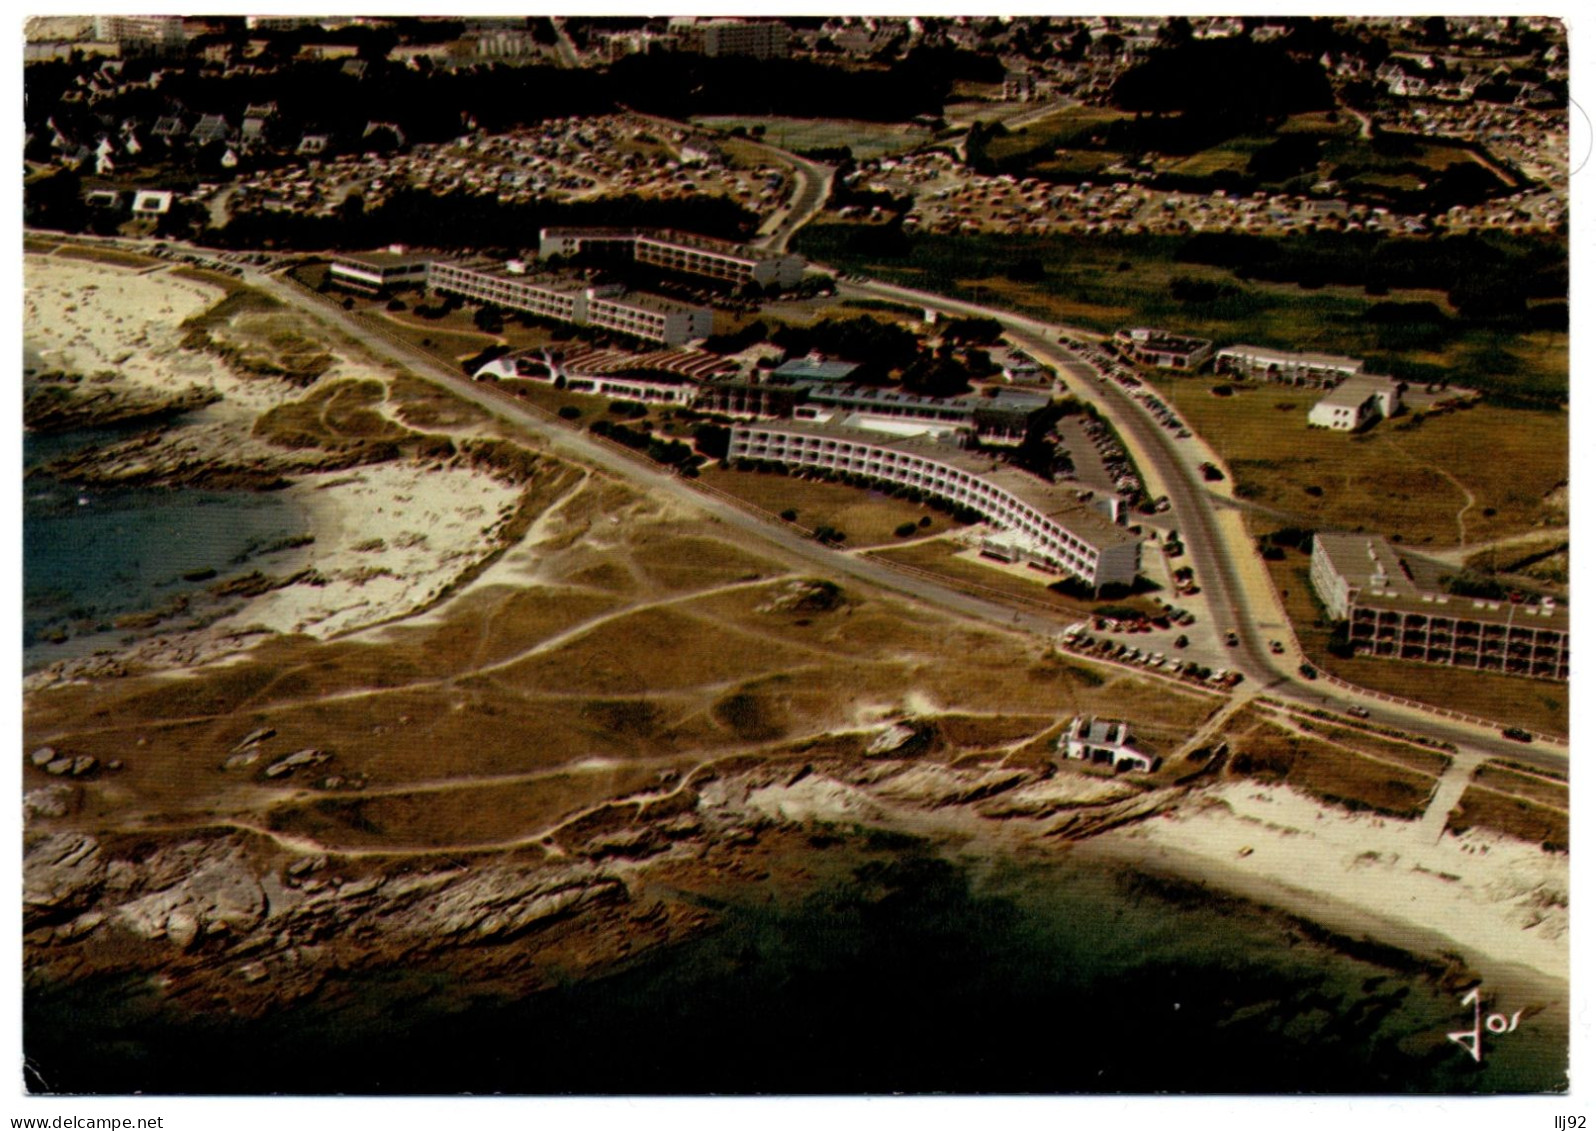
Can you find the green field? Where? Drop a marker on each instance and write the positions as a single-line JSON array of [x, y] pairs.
[[866, 139], [1106, 282], [1064, 128], [868, 518], [1410, 484]]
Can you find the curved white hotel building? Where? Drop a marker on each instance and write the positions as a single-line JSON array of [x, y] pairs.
[[1054, 529]]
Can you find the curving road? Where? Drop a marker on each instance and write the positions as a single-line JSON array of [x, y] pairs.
[[1216, 547]]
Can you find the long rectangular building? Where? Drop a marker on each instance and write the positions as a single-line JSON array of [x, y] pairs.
[[679, 252], [1259, 363], [1057, 532], [609, 307], [1391, 612]]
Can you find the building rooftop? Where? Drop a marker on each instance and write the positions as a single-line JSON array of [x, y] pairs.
[[1529, 613], [1162, 340], [1386, 579], [876, 396], [708, 243], [379, 258], [652, 303], [810, 369], [494, 268], [1290, 356]]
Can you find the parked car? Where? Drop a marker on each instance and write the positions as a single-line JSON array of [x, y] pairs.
[[1309, 671], [1518, 734]]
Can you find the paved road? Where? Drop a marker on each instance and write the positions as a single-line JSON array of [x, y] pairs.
[[580, 446], [810, 190], [1213, 545]]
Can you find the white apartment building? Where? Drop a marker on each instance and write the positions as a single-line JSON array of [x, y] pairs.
[[1393, 614], [1355, 403], [164, 32], [1259, 363], [1057, 532], [375, 272], [608, 307], [648, 317], [763, 39], [678, 251]]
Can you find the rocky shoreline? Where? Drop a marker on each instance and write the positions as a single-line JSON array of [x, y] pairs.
[[60, 406], [246, 920], [210, 457]]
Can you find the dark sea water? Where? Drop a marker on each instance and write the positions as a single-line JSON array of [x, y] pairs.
[[904, 972], [91, 554]]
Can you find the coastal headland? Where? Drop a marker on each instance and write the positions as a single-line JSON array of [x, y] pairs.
[[515, 719]]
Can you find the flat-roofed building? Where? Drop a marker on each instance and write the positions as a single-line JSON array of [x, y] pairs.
[[609, 307], [508, 285], [163, 33], [1355, 403], [1056, 531], [801, 369], [1164, 350], [763, 39], [1258, 363], [649, 317], [1105, 741], [376, 272], [680, 252], [1396, 611]]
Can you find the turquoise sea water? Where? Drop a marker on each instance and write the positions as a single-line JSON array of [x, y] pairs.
[[904, 972]]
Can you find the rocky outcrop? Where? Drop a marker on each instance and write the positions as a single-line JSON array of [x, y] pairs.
[[245, 921], [62, 409], [61, 875], [212, 456]]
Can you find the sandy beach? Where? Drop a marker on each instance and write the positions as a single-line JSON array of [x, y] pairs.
[[88, 317], [388, 537], [1492, 896]]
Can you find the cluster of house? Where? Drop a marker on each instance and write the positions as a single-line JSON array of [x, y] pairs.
[[1396, 606], [567, 158], [949, 197]]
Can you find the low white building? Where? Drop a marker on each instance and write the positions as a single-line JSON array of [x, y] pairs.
[[1356, 403], [1164, 350], [610, 307], [152, 202], [376, 272], [1259, 363], [1105, 741]]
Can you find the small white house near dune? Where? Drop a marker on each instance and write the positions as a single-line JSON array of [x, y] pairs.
[[1106, 741], [1355, 403]]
